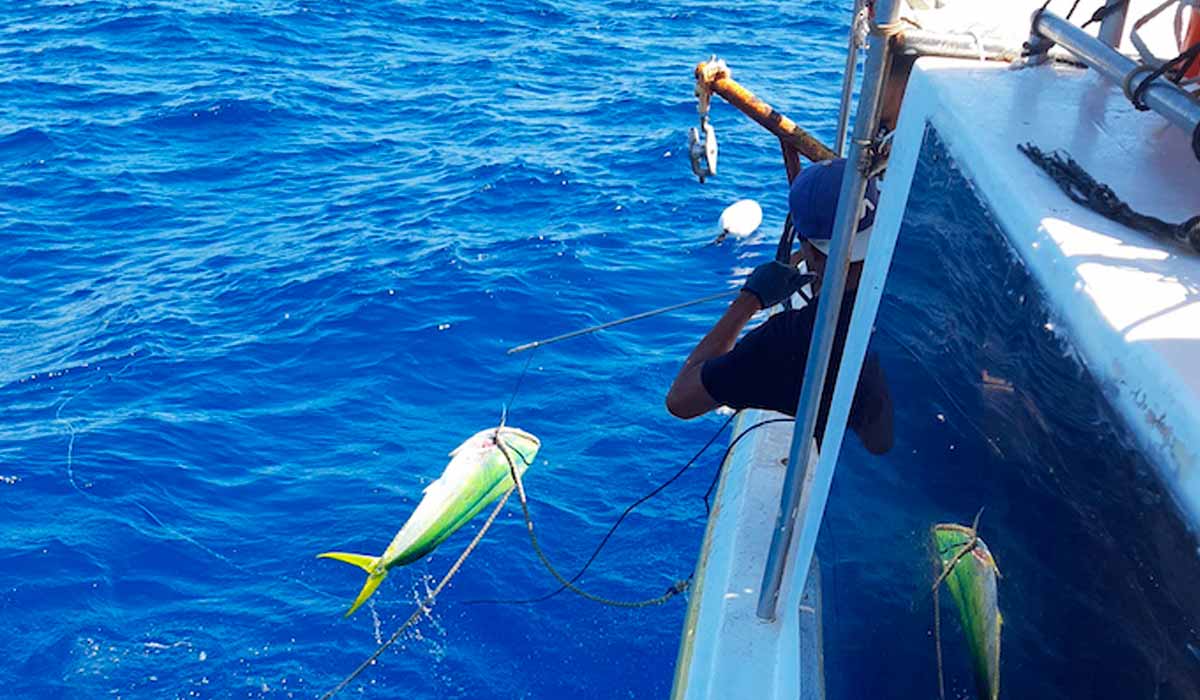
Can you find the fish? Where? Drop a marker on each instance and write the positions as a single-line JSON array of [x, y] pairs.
[[972, 584], [478, 474], [739, 220]]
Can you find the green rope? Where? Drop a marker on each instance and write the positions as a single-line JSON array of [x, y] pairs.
[[679, 586]]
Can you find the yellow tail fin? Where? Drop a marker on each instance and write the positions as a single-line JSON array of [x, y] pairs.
[[375, 574]]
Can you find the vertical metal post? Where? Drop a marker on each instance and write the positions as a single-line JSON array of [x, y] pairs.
[[848, 81], [796, 485], [1113, 24]]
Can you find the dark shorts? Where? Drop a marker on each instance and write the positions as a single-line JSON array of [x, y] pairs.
[[766, 370]]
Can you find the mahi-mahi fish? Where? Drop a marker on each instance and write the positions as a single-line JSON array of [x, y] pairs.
[[972, 584], [478, 474]]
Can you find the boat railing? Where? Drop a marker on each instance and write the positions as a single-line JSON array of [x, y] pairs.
[[1157, 93], [804, 495], [1113, 24]]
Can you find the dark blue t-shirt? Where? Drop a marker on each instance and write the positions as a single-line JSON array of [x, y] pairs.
[[766, 370]]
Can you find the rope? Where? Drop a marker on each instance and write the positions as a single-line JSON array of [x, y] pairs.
[[426, 605], [1084, 190], [611, 530], [677, 588], [733, 443], [1101, 12], [1173, 69], [1039, 45]]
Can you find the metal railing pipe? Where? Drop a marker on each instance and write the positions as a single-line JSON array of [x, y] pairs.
[[848, 81], [919, 42], [1163, 96], [797, 487], [1113, 24]]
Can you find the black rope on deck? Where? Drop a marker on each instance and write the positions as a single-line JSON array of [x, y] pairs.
[[1084, 190]]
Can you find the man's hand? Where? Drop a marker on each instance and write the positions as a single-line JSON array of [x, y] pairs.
[[773, 282]]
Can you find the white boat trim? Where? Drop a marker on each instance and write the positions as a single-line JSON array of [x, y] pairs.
[[727, 651]]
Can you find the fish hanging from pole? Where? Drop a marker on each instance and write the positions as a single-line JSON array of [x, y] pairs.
[[967, 568], [477, 474]]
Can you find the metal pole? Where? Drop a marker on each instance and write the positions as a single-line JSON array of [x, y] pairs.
[[917, 42], [848, 81], [619, 321], [1163, 96], [854, 185], [1113, 24]]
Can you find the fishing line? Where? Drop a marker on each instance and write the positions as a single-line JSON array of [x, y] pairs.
[[678, 587], [150, 515], [733, 443], [611, 530], [425, 605], [654, 492], [520, 380]]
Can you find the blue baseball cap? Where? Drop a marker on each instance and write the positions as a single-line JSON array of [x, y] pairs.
[[813, 202]]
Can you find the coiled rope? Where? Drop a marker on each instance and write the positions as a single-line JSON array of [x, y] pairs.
[[1086, 191]]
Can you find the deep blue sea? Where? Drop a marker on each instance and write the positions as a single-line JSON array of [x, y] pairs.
[[259, 264]]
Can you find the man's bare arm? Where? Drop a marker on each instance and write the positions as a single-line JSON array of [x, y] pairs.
[[687, 397]]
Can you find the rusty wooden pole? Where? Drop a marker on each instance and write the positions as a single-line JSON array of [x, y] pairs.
[[716, 76]]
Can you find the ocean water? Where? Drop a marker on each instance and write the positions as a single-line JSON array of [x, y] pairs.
[[259, 264]]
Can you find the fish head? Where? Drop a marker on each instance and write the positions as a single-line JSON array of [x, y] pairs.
[[516, 439]]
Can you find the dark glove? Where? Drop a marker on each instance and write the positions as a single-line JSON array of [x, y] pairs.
[[773, 282]]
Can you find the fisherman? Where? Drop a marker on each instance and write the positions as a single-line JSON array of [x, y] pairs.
[[765, 369]]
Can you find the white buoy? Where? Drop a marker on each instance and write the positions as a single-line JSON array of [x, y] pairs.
[[739, 220]]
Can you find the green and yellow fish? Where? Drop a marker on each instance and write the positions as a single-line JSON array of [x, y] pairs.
[[972, 584], [477, 475]]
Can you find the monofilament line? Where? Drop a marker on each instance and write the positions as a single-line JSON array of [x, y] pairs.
[[425, 605]]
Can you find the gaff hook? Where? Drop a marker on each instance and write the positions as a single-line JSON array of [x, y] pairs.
[[703, 151]]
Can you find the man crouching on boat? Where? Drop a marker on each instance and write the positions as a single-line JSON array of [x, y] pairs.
[[765, 369]]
